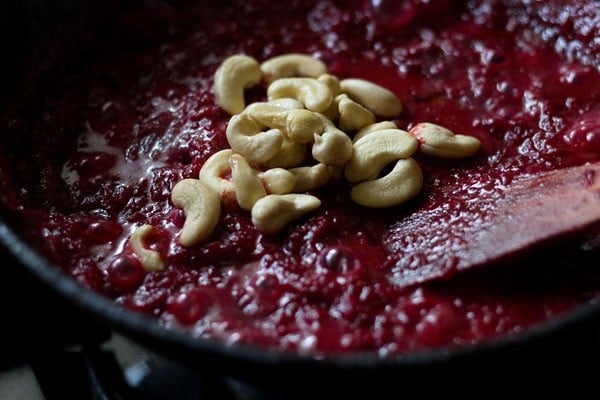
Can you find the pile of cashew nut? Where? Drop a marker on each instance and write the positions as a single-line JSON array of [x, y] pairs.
[[313, 127]]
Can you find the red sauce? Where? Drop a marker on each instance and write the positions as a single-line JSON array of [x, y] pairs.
[[115, 135]]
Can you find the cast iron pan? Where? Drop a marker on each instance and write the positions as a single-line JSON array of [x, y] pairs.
[[546, 355]]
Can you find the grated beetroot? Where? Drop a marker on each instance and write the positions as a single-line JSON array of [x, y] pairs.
[[107, 145]]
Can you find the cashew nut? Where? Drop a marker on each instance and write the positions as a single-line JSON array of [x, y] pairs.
[[285, 102], [299, 125], [273, 212], [353, 116], [309, 178], [212, 174], [441, 142], [248, 187], [376, 98], [333, 147], [332, 82], [373, 152], [290, 155], [245, 136], [378, 126], [202, 208], [150, 259], [401, 184], [315, 95], [278, 180], [268, 114], [233, 76], [288, 65], [302, 125]]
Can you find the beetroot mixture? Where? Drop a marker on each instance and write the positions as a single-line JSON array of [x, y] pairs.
[[106, 143]]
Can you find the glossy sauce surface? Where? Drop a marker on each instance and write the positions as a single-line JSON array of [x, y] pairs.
[[116, 134]]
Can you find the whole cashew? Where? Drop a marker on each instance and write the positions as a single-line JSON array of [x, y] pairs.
[[233, 76], [309, 178], [378, 126], [248, 187], [302, 125], [290, 155], [441, 142], [333, 147], [332, 82], [273, 212], [278, 180], [373, 152], [150, 259], [268, 114], [299, 125], [245, 136], [289, 65], [401, 184], [353, 116], [212, 174], [376, 98], [202, 208], [315, 95], [286, 102]]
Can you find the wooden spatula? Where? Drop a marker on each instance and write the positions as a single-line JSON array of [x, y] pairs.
[[531, 211]]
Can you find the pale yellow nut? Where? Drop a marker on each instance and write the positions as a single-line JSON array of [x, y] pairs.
[[441, 142], [302, 125], [278, 180], [235, 74], [288, 65], [246, 137], [202, 207], [285, 102], [274, 212], [373, 152], [377, 126], [268, 114], [150, 259], [401, 184], [298, 124], [353, 116], [332, 82], [315, 95], [214, 172], [333, 147], [376, 98], [290, 155], [248, 186], [309, 178]]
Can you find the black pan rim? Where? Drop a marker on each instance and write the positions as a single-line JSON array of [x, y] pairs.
[[143, 329]]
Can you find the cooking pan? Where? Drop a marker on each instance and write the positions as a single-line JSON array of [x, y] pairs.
[[553, 348]]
